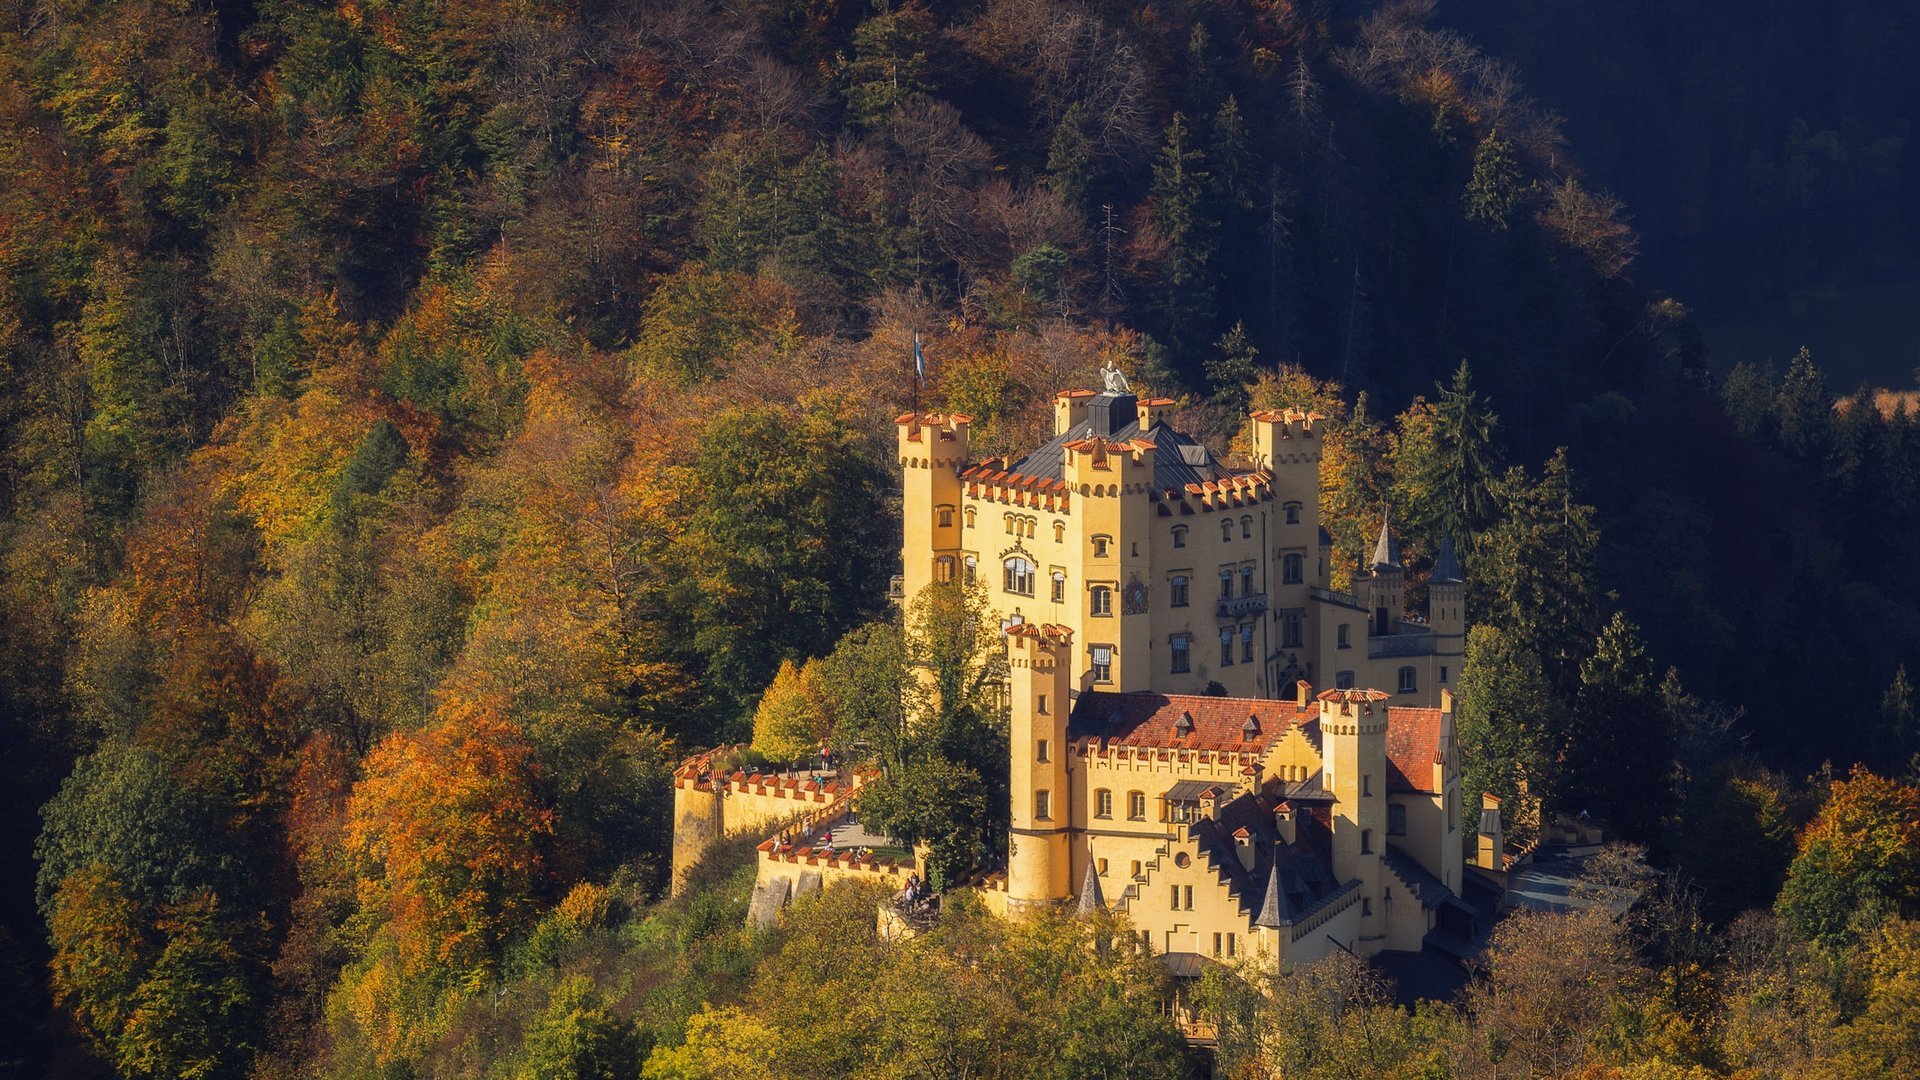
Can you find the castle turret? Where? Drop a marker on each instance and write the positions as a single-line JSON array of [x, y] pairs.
[[1287, 444], [933, 450], [1386, 582], [1353, 739], [1447, 594], [1039, 862], [1110, 482]]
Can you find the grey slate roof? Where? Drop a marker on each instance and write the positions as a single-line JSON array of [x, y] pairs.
[[1387, 551], [1446, 565], [1090, 899], [1177, 460], [1276, 910]]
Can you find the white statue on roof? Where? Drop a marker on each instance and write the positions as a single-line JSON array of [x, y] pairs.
[[1116, 383]]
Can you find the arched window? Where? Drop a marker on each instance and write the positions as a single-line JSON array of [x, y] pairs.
[[1293, 513], [968, 515], [1226, 647], [944, 516], [943, 568], [1019, 576], [1409, 680], [1226, 529], [1059, 531], [1059, 587], [1246, 643], [1032, 524], [973, 569], [1293, 569], [1179, 536], [1178, 590], [1100, 546], [1103, 803], [1182, 649], [1100, 600], [1012, 525], [1226, 584], [1136, 809], [1246, 528], [1246, 581]]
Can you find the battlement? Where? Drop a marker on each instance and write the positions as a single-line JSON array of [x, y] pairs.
[[1285, 437], [990, 481], [933, 440]]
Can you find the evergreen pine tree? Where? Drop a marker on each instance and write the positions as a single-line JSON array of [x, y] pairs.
[[1493, 193], [1179, 196]]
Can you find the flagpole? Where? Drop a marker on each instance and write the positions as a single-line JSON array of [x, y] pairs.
[[919, 373]]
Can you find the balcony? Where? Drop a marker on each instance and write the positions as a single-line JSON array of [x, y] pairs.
[[1251, 604]]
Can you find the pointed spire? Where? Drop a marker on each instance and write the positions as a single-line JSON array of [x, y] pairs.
[[1446, 565], [1090, 899], [1386, 553], [1276, 911]]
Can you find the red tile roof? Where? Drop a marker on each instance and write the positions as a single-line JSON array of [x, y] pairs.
[[1151, 720], [1413, 748]]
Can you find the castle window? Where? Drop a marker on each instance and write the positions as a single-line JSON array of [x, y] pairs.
[[1246, 581], [1181, 645], [1366, 782], [1342, 636], [1293, 513], [1292, 629], [1343, 680], [1246, 528], [1032, 524], [1136, 809], [1040, 751], [1178, 590], [1100, 547], [944, 517], [1246, 643], [1103, 803], [973, 569], [1443, 673], [1293, 569], [1226, 584], [1103, 868], [1043, 806], [1059, 531], [1396, 820], [1409, 680], [967, 514], [1216, 945], [1366, 907], [1136, 868], [1019, 576], [1226, 529], [1366, 839], [1101, 601], [943, 568], [1179, 536], [1102, 664], [1174, 893], [1059, 587], [1188, 890], [1041, 705], [1226, 647], [1012, 525]]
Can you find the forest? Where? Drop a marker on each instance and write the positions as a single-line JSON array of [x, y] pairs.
[[424, 424]]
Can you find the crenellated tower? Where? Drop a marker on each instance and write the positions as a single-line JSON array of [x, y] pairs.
[[1353, 740], [1386, 583], [933, 451], [1039, 860], [1110, 481]]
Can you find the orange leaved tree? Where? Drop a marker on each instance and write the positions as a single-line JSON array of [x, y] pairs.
[[452, 836]]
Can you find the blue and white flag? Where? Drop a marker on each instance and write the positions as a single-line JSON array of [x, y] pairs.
[[919, 361]]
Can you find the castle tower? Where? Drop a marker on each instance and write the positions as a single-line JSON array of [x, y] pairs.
[[933, 450], [1287, 444], [1039, 862], [1386, 583], [1447, 598], [1110, 482], [1353, 737]]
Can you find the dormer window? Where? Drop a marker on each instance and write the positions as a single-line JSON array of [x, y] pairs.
[[1250, 729], [1184, 725]]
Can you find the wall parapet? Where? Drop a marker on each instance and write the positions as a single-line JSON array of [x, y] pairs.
[[1328, 906]]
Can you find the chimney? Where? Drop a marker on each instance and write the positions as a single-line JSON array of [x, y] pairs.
[[1207, 799], [1303, 693], [1492, 853], [1243, 846], [1283, 821], [1446, 700]]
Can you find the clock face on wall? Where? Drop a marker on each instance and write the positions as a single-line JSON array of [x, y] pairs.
[[1133, 598]]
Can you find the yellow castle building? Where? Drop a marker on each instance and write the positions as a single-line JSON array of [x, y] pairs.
[[1166, 615]]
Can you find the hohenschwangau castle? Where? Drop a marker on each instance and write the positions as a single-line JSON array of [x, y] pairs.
[[1205, 736]]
